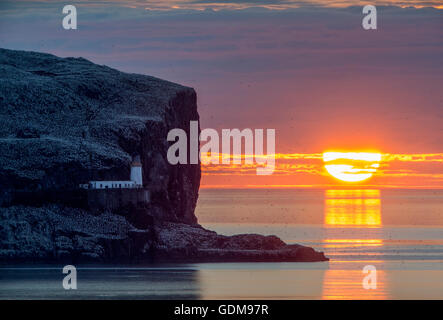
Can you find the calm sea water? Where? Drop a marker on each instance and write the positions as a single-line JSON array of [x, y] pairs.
[[400, 232]]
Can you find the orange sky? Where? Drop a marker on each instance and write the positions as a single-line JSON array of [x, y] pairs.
[[307, 170], [312, 74]]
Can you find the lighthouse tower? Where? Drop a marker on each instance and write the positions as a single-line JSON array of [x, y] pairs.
[[136, 172]]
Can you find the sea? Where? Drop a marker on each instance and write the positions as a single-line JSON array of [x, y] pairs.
[[382, 244]]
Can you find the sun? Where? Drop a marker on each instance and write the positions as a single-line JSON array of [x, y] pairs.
[[351, 166]]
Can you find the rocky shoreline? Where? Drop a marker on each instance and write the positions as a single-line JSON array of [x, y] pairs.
[[53, 235], [202, 245]]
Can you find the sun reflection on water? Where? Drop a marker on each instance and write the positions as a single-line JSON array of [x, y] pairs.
[[352, 208], [352, 219]]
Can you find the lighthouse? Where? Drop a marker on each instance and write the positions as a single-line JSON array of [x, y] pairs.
[[136, 172], [136, 180]]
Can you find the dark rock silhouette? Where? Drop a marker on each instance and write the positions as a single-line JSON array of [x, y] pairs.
[[66, 121]]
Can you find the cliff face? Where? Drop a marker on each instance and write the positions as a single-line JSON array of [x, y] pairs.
[[66, 121]]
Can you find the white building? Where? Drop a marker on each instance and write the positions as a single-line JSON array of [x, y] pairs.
[[135, 182]]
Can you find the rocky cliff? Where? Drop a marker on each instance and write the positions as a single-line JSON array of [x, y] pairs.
[[66, 121]]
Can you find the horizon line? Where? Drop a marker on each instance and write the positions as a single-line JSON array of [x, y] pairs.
[[320, 187]]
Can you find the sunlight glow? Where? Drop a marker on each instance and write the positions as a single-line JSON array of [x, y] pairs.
[[351, 166], [353, 208]]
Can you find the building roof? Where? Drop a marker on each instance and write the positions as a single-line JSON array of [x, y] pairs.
[[136, 162]]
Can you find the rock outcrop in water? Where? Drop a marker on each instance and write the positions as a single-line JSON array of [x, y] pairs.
[[66, 121]]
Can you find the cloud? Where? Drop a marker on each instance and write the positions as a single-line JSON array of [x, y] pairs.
[[210, 5], [401, 170], [312, 73]]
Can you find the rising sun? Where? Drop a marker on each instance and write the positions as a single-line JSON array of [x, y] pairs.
[[351, 166]]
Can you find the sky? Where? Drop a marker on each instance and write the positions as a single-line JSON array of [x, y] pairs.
[[304, 68]]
